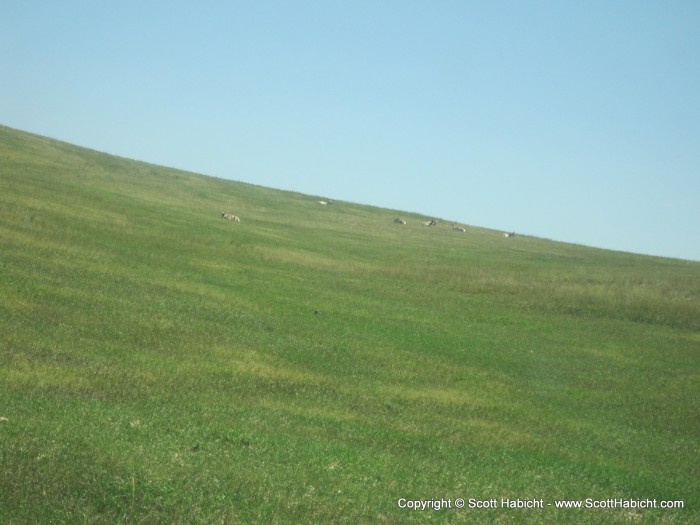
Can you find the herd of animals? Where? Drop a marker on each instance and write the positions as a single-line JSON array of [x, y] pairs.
[[397, 220]]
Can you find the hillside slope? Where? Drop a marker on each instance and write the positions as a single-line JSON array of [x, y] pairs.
[[316, 364]]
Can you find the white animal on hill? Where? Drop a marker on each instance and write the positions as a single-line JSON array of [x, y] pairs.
[[508, 235], [458, 228], [230, 217], [397, 220], [431, 222], [325, 203]]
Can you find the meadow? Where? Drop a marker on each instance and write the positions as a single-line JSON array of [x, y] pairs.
[[321, 364]]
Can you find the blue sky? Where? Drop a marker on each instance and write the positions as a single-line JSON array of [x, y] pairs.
[[574, 121]]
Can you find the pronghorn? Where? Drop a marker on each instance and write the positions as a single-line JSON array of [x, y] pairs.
[[397, 220], [458, 228], [431, 222], [508, 235], [325, 203], [230, 217]]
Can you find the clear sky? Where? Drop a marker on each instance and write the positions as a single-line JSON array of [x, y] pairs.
[[576, 121]]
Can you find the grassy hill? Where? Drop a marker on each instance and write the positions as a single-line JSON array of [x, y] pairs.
[[316, 364]]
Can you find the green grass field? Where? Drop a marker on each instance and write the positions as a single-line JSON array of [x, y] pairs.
[[317, 364]]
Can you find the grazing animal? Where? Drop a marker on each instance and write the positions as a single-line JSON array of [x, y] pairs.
[[398, 220], [458, 228], [325, 203], [508, 235], [431, 222], [230, 217]]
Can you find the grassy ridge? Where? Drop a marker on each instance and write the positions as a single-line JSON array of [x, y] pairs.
[[315, 364]]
